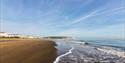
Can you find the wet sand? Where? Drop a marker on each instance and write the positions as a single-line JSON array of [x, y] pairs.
[[27, 51]]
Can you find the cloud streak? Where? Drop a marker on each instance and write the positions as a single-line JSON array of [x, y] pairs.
[[83, 18], [96, 13]]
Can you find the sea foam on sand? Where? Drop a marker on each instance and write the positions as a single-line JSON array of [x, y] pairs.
[[82, 53], [113, 52], [58, 58]]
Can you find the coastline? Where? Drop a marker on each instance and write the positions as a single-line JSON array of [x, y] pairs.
[[56, 51], [27, 51], [82, 52], [59, 57]]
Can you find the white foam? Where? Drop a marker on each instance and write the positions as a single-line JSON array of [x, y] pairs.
[[113, 52], [78, 42], [69, 52], [58, 58]]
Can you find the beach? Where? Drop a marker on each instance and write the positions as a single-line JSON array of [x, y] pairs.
[[83, 52], [58, 51], [27, 51]]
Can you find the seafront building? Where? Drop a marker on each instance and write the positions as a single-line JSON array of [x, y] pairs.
[[9, 35], [3, 34]]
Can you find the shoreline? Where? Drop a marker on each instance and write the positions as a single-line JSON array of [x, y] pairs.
[[54, 51], [60, 56], [84, 52]]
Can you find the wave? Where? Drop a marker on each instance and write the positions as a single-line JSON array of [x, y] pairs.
[[58, 58], [113, 52], [70, 50], [87, 51]]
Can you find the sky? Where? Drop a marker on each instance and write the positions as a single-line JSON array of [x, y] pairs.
[[88, 19]]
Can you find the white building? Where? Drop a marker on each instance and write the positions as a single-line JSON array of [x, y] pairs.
[[4, 34]]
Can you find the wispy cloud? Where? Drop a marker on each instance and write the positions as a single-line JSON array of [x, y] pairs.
[[96, 13], [65, 17], [84, 17], [111, 11]]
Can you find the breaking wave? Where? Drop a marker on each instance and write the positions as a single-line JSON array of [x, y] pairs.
[[82, 52], [58, 58]]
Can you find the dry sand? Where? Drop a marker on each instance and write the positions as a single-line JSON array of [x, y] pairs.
[[27, 51]]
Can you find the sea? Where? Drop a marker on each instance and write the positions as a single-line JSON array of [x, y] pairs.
[[90, 51], [115, 43]]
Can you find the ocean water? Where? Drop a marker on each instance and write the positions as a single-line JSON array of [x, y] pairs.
[[84, 51], [62, 47], [113, 43]]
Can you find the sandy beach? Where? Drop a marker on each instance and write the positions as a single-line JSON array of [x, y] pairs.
[[27, 51]]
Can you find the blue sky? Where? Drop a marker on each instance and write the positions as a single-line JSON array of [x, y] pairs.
[[78, 18]]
